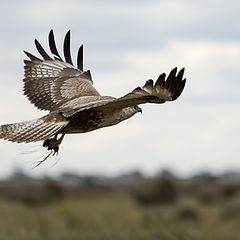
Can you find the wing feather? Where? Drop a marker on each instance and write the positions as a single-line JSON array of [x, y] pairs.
[[80, 58], [32, 57], [82, 103], [42, 51], [66, 48], [52, 45], [54, 85], [164, 90], [50, 82]]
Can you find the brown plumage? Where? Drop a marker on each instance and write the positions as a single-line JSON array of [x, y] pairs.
[[75, 106]]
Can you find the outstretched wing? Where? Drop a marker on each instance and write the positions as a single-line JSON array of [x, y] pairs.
[[164, 89], [51, 82]]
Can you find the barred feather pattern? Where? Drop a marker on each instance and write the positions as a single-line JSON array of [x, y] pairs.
[[30, 131], [39, 78], [47, 80]]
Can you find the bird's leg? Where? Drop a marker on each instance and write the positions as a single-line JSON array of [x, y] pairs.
[[56, 142], [51, 144]]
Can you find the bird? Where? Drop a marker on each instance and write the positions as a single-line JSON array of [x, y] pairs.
[[53, 84]]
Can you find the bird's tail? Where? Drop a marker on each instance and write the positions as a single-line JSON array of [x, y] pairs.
[[30, 131]]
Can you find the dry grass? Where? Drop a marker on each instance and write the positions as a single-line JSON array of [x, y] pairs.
[[118, 217]]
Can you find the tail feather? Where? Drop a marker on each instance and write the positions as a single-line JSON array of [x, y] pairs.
[[30, 131], [41, 132]]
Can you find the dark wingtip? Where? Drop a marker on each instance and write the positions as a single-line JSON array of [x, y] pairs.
[[32, 57], [161, 80], [80, 58], [66, 48], [42, 51], [52, 46], [180, 84], [171, 78], [174, 71], [148, 84], [137, 89], [180, 73]]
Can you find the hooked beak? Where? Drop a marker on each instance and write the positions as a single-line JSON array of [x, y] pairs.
[[139, 109]]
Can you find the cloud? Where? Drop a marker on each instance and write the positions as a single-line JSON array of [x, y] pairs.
[[166, 135], [124, 45]]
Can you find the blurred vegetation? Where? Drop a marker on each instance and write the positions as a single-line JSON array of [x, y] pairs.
[[129, 206]]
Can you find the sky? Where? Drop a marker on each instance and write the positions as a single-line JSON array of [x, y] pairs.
[[125, 44]]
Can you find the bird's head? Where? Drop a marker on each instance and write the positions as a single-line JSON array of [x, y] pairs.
[[138, 109]]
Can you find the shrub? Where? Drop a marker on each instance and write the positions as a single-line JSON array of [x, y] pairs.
[[155, 191]]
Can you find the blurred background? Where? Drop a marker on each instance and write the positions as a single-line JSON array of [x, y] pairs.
[[173, 171]]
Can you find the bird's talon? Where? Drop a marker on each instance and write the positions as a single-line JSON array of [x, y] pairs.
[[52, 144]]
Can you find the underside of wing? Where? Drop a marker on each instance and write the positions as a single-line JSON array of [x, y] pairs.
[[76, 105], [164, 89], [52, 81]]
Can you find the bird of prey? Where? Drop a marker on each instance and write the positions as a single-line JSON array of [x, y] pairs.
[[74, 105]]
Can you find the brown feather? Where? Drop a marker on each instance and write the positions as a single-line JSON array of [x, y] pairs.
[[42, 51], [66, 48], [48, 83], [52, 46], [80, 58]]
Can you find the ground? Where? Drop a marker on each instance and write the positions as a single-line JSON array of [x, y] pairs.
[[118, 216]]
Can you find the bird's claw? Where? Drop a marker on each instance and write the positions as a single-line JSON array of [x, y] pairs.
[[51, 144]]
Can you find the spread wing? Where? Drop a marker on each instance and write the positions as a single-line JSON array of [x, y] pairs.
[[55, 85], [52, 82], [164, 89]]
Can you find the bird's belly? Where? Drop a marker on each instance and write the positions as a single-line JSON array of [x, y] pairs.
[[79, 128], [90, 122]]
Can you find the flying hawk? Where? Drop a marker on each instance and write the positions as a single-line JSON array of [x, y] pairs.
[[74, 105]]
